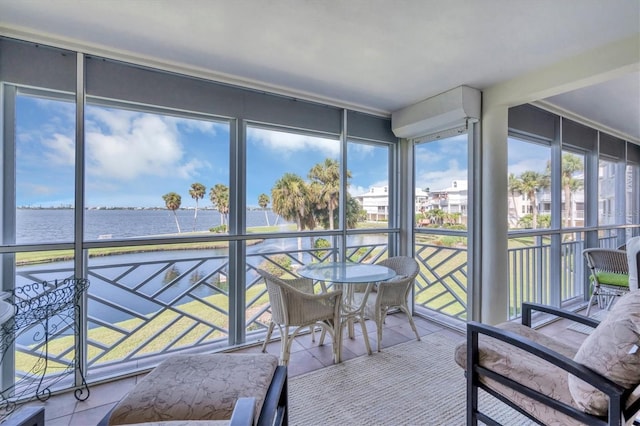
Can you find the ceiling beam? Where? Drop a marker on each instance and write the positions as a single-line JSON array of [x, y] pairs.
[[595, 66]]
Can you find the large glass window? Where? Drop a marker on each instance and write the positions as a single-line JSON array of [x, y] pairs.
[[573, 200], [45, 168], [293, 180], [368, 165], [529, 184], [150, 174], [632, 194], [441, 206], [441, 182], [606, 191]]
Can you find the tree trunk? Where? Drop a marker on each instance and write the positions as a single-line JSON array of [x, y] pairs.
[[534, 214], [195, 217], [567, 206], [331, 219], [177, 223]]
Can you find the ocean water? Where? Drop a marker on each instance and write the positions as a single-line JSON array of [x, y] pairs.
[[57, 225]]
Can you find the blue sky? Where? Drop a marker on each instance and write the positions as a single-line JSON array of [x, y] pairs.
[[134, 158]]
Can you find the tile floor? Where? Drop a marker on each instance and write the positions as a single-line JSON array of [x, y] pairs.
[[64, 410]]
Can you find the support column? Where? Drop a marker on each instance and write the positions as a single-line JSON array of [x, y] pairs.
[[493, 288]]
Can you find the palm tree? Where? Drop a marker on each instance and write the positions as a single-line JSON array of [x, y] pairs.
[[219, 196], [327, 174], [289, 200], [173, 201], [197, 192], [439, 215], [530, 183], [514, 188], [263, 202], [570, 165]]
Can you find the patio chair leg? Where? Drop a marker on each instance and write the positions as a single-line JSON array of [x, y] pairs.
[[322, 334], [411, 322], [610, 302], [337, 344], [285, 346], [268, 336], [595, 293], [365, 335], [381, 317]]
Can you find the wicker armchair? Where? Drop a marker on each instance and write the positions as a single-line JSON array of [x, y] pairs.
[[302, 284], [609, 275], [292, 307], [393, 293]]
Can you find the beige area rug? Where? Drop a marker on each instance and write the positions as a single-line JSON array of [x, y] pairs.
[[414, 383], [585, 329]]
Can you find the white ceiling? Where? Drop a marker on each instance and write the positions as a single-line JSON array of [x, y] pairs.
[[372, 55]]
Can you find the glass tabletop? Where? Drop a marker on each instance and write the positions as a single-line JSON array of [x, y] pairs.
[[346, 272]]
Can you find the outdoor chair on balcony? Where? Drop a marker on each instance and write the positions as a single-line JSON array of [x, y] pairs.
[[609, 275], [292, 307], [392, 294], [551, 380], [234, 389], [302, 284]]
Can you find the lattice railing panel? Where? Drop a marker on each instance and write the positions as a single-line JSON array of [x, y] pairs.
[[441, 284]]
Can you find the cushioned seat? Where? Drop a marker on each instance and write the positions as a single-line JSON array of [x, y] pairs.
[[546, 378], [202, 388], [610, 278]]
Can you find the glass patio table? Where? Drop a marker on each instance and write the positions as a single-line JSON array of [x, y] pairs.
[[345, 275]]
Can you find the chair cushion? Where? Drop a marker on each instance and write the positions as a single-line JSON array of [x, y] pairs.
[[527, 369], [611, 350], [185, 423], [197, 387], [611, 278]]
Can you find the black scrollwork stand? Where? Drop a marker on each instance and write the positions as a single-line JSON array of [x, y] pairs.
[[44, 312]]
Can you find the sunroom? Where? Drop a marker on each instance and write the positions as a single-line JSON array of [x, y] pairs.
[[166, 156]]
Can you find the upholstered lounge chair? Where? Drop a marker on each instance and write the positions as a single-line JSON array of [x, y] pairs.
[[552, 381], [207, 389]]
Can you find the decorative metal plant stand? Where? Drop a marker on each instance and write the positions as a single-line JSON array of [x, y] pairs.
[[38, 341]]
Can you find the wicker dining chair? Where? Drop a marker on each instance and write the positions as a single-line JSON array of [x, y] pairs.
[[393, 294], [302, 284], [292, 307], [609, 275]]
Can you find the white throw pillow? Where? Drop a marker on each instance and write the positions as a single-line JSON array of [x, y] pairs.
[[633, 247], [611, 350]]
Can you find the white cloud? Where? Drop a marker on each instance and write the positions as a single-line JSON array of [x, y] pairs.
[[437, 180], [126, 145], [288, 143], [364, 149], [529, 164], [201, 126], [60, 150]]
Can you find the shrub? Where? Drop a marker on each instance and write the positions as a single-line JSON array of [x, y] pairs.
[[281, 266]]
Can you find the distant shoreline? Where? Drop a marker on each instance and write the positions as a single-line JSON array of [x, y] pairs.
[[132, 208]]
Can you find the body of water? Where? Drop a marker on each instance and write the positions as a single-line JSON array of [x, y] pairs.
[[57, 225]]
